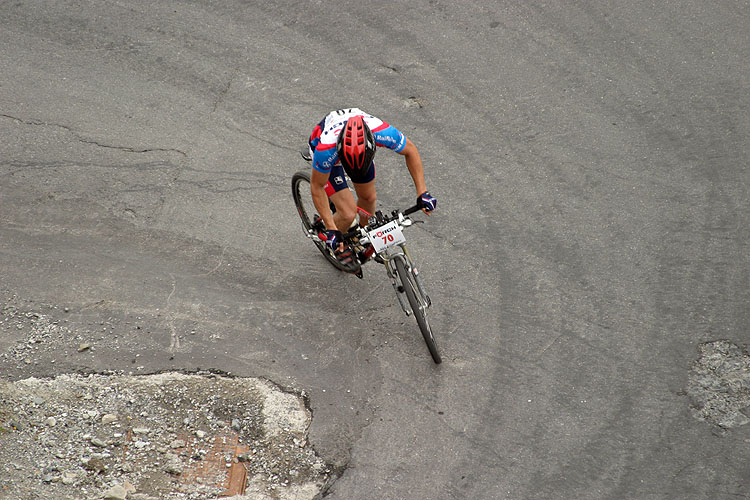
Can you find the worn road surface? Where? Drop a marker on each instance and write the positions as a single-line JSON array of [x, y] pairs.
[[591, 165]]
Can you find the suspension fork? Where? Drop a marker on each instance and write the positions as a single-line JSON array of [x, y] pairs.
[[413, 269], [397, 287]]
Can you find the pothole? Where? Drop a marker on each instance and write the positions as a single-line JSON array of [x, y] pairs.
[[415, 102], [165, 436], [719, 385]]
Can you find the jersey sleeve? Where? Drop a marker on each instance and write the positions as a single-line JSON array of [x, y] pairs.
[[324, 158], [389, 137]]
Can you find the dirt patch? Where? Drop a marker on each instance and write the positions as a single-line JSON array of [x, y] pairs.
[[164, 436]]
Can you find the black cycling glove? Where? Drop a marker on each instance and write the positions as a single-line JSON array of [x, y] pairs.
[[427, 201]]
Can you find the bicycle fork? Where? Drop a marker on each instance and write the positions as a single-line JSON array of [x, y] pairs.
[[413, 269], [399, 288]]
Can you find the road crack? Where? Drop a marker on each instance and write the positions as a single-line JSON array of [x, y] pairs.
[[223, 93], [80, 138]]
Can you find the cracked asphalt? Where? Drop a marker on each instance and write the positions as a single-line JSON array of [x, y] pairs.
[[588, 264]]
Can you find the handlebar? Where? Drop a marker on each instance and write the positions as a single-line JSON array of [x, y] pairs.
[[382, 220], [411, 210]]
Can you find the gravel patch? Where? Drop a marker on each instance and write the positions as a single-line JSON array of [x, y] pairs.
[[719, 385], [117, 436], [164, 436], [24, 334]]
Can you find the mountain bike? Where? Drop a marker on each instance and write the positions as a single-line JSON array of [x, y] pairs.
[[385, 234]]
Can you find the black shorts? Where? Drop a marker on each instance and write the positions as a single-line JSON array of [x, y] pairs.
[[337, 181]]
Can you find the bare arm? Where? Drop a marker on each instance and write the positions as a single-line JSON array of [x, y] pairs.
[[414, 164], [318, 182]]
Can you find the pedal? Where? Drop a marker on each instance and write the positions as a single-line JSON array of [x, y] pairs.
[[317, 224], [365, 253], [346, 256]]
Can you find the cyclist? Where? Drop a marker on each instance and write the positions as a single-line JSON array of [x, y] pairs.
[[345, 141]]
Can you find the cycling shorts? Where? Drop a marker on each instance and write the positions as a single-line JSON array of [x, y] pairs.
[[337, 180]]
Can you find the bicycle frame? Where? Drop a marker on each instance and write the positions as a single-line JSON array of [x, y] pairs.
[[398, 251]]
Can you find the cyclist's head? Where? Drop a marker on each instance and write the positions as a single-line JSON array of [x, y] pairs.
[[356, 145]]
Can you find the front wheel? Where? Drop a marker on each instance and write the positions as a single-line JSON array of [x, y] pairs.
[[306, 209], [418, 306]]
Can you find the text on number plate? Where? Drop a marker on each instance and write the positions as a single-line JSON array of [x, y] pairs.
[[386, 236]]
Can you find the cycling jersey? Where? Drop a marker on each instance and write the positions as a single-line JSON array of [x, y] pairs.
[[325, 133]]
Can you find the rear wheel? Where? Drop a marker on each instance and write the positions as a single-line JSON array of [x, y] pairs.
[[306, 209], [418, 306]]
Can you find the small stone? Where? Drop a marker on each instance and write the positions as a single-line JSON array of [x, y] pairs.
[[177, 443], [109, 418], [69, 477], [84, 347], [200, 434], [95, 465], [38, 400], [141, 430], [98, 442], [51, 421], [116, 492], [173, 464], [140, 444]]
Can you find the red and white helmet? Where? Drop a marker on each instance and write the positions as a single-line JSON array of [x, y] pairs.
[[356, 145]]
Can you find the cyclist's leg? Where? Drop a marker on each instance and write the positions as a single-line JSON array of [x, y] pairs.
[[346, 210], [366, 194], [339, 194]]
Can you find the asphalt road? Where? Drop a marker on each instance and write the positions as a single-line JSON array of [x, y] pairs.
[[591, 165]]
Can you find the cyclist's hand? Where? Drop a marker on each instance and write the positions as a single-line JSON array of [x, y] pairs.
[[427, 202], [333, 239]]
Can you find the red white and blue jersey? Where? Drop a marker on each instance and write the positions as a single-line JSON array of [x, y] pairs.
[[325, 133]]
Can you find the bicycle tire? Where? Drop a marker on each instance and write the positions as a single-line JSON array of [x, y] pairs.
[[409, 285], [306, 210]]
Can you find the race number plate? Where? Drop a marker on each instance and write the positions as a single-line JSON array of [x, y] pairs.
[[386, 236]]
